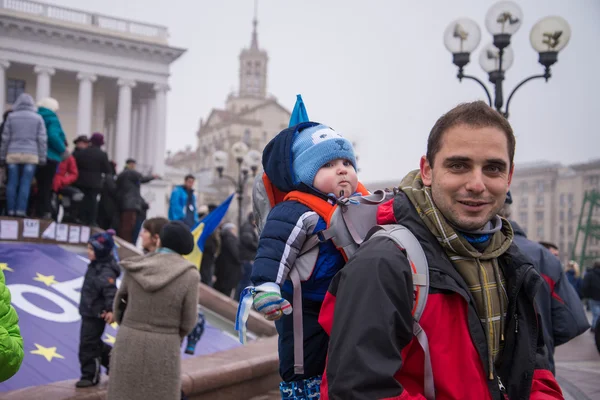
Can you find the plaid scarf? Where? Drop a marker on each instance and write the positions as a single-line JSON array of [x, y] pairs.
[[480, 270]]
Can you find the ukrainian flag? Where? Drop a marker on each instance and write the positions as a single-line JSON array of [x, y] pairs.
[[205, 228]]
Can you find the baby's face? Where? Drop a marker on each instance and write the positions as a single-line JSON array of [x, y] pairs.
[[335, 177]]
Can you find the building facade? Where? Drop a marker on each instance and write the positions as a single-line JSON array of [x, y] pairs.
[[251, 116], [547, 202], [109, 75]]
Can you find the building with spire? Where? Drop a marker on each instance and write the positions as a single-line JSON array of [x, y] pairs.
[[251, 115]]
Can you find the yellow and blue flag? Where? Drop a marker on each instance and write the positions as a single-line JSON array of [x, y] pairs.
[[205, 228]]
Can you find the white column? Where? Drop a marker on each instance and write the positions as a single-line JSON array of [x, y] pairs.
[[123, 122], [3, 66], [112, 135], [149, 144], [84, 106], [161, 128], [134, 139], [143, 138], [44, 75]]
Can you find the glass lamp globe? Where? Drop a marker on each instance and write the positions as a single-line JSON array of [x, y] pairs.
[[550, 34], [253, 158], [490, 61], [239, 150], [462, 36], [220, 159], [504, 17]]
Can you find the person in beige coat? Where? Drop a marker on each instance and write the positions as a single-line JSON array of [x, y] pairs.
[[161, 294]]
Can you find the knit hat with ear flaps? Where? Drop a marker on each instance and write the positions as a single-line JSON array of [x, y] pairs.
[[314, 147], [102, 243], [177, 236]]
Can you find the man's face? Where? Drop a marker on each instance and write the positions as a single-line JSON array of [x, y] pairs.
[[189, 183], [131, 165], [554, 251], [471, 175], [81, 145]]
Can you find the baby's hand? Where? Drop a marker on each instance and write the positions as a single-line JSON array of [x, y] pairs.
[[271, 305]]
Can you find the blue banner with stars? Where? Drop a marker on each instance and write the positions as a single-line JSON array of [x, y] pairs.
[[44, 281]]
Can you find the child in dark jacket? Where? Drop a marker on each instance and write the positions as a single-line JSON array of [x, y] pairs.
[[322, 164], [97, 295]]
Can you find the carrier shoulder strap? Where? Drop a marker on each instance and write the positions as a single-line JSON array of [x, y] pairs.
[[406, 240]]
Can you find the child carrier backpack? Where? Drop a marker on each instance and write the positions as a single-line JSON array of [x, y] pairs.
[[350, 221]]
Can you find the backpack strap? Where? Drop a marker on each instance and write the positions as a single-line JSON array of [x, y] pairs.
[[297, 323], [420, 274]]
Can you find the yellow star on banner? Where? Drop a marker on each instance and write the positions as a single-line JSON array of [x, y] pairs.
[[109, 339], [47, 280], [4, 267], [114, 325], [47, 352]]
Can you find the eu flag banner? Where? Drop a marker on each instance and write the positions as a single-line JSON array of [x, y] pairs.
[[299, 113], [45, 282], [205, 228]]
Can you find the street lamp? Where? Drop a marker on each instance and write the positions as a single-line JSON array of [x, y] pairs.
[[548, 36], [247, 160]]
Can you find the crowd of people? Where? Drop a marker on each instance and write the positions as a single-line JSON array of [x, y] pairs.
[[43, 175], [497, 303]]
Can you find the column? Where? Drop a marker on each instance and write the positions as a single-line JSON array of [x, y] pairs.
[[84, 105], [150, 134], [44, 75], [3, 67], [123, 122], [143, 138], [134, 139], [160, 134]]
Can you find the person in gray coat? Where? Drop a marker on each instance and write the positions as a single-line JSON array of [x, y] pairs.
[[23, 148]]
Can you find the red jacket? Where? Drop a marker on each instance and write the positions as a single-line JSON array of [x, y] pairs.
[[373, 353], [66, 174]]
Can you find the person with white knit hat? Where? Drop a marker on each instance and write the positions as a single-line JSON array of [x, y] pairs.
[[312, 161]]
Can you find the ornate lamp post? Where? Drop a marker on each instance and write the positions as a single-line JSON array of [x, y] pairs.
[[247, 160], [548, 36]]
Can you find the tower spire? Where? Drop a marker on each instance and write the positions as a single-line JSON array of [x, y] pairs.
[[254, 43]]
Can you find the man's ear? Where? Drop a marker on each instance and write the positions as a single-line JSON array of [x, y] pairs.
[[426, 171], [510, 174]]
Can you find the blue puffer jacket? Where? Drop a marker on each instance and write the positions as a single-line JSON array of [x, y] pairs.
[[288, 226], [178, 206]]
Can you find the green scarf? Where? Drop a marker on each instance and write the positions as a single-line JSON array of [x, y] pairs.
[[478, 269]]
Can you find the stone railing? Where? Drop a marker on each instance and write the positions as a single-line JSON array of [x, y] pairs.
[[86, 18]]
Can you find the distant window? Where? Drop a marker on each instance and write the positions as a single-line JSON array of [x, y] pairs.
[[14, 88], [540, 200], [570, 230], [540, 231], [524, 201], [562, 200], [561, 231], [539, 216], [571, 198], [524, 187], [523, 217], [561, 215], [540, 186], [247, 138]]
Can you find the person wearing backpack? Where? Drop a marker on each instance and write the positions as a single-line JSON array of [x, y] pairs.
[[316, 167], [484, 337]]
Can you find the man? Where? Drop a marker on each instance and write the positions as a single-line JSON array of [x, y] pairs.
[[482, 344], [248, 247], [182, 205], [558, 303], [552, 248], [212, 249], [93, 167], [130, 198]]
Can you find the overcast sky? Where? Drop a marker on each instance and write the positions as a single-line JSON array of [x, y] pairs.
[[376, 71]]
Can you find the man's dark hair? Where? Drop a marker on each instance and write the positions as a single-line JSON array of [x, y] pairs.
[[154, 225], [477, 115], [189, 176], [548, 245]]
